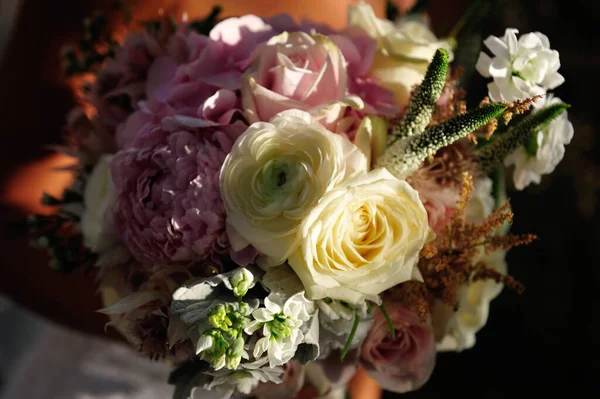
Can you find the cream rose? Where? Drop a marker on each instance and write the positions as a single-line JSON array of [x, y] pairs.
[[362, 238], [98, 200], [275, 175], [404, 51]]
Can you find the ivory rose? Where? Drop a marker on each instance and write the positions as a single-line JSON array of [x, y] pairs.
[[403, 363], [404, 50], [275, 175], [293, 71], [362, 238]]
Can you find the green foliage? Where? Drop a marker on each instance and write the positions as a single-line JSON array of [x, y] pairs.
[[419, 111], [493, 154], [407, 154]]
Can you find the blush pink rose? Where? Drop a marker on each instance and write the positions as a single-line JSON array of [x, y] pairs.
[[440, 203], [404, 363], [293, 70]]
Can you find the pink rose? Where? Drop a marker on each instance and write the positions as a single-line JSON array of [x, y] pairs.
[[440, 203], [293, 70], [406, 362]]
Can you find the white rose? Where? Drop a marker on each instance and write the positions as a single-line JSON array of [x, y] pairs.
[[362, 238], [541, 157], [275, 174], [405, 49], [98, 200]]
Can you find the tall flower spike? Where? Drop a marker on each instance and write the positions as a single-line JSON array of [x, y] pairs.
[[422, 105], [408, 153], [494, 153]]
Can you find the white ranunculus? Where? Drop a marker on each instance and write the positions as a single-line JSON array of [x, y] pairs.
[[473, 307], [541, 157], [98, 200], [275, 174], [405, 49], [520, 68], [362, 238]]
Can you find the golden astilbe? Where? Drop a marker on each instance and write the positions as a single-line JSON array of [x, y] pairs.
[[451, 261]]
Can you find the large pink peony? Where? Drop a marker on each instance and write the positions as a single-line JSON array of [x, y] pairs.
[[123, 82], [168, 206], [406, 362]]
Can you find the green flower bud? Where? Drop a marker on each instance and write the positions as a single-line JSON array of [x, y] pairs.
[[218, 318], [241, 281]]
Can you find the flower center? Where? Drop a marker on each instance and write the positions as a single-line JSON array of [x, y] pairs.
[[279, 327]]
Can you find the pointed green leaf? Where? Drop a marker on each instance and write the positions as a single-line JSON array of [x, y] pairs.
[[422, 105], [408, 153], [494, 153]]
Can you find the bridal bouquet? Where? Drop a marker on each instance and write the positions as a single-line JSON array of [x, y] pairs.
[[270, 204]]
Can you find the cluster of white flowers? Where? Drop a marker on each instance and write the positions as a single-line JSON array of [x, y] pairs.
[[524, 68]]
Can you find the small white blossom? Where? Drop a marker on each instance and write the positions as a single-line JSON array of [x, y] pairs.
[[244, 379], [241, 281], [541, 157], [520, 68], [281, 324]]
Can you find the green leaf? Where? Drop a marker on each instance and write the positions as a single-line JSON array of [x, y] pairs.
[[407, 154], [493, 154], [204, 26], [422, 105], [187, 376]]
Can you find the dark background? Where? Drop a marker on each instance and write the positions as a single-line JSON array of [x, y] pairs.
[[543, 342]]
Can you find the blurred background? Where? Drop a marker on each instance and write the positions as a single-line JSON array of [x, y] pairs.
[[53, 345]]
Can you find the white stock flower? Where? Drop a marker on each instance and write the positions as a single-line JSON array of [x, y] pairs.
[[98, 200], [241, 281], [275, 174], [540, 155], [362, 238], [520, 68], [336, 319], [281, 324], [473, 307], [405, 49], [244, 379]]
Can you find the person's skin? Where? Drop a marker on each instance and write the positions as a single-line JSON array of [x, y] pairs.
[[33, 103]]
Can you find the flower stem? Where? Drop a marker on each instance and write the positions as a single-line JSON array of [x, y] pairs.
[[388, 320], [351, 336]]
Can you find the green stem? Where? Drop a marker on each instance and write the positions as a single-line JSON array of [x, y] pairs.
[[388, 320], [351, 336]]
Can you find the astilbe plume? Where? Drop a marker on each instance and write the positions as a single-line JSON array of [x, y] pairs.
[[452, 260]]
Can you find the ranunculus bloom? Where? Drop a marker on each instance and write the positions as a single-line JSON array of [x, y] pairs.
[[405, 50], [404, 363], [362, 238], [276, 174], [168, 206], [293, 71]]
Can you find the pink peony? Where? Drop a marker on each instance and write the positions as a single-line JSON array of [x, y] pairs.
[[406, 362], [122, 83], [168, 206]]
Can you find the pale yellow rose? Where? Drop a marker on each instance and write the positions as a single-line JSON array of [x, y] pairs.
[[405, 49], [275, 174], [362, 238]]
